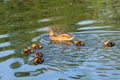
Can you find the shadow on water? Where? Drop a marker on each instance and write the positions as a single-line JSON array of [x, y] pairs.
[[90, 21]]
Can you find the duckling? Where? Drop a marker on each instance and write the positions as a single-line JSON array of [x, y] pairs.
[[79, 43], [37, 46], [61, 37], [28, 51], [39, 54], [38, 58], [109, 44]]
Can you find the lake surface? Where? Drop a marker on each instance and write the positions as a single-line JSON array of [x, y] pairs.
[[23, 22]]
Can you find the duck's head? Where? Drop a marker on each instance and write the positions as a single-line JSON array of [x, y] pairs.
[[51, 32]]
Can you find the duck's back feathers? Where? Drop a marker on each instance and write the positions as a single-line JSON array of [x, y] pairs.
[[61, 37]]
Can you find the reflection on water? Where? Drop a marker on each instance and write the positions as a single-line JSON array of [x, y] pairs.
[[101, 31], [87, 22], [50, 19], [93, 27], [43, 29], [6, 53], [5, 44], [4, 36], [90, 21]]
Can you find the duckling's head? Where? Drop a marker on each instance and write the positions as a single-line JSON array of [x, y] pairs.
[[26, 49], [38, 54], [76, 42], [34, 45], [106, 43]]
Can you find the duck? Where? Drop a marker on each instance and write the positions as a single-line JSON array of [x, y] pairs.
[[109, 44], [60, 37], [28, 51], [68, 42], [79, 43], [36, 46], [38, 59]]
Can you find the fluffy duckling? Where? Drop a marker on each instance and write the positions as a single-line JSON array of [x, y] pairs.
[[39, 54], [37, 46], [79, 43], [109, 44], [38, 58], [28, 51], [61, 37]]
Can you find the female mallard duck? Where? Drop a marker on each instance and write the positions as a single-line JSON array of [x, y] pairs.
[[28, 51], [62, 37], [38, 58], [36, 46], [108, 44], [79, 43]]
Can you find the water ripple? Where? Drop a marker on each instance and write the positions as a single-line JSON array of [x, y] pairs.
[[100, 31], [5, 44], [4, 35], [86, 22], [93, 27], [42, 29], [6, 53], [69, 61], [50, 19]]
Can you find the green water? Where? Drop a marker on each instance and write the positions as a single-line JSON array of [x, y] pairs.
[[93, 21]]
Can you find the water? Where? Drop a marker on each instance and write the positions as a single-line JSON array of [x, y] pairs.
[[90, 21]]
